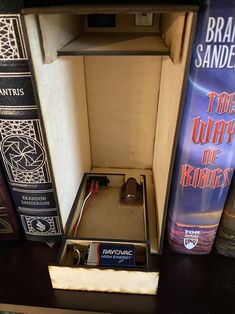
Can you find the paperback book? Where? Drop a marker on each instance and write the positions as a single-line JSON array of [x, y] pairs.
[[205, 154]]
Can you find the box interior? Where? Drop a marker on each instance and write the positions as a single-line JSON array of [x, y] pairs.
[[105, 216], [67, 259], [108, 108]]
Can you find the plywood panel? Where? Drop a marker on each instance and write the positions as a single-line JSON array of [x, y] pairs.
[[104, 280], [172, 29], [63, 104], [136, 173], [106, 44], [122, 95], [110, 8], [56, 31], [7, 308], [169, 105], [124, 222]]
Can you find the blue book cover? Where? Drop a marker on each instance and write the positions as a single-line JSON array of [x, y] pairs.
[[205, 154]]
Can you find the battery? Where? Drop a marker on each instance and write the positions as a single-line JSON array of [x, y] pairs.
[[111, 254]]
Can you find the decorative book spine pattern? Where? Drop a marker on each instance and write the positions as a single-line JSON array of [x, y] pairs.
[[205, 156], [22, 145], [9, 227], [225, 239]]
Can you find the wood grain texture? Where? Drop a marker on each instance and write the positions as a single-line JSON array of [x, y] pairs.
[[62, 96], [135, 173], [170, 100], [106, 280], [10, 308], [56, 31], [188, 284], [122, 95], [111, 8], [124, 222], [115, 44], [172, 29]]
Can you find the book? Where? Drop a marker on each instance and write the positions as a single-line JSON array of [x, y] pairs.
[[23, 147], [204, 162], [225, 238], [9, 226]]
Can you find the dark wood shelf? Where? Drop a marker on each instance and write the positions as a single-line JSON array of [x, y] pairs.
[[188, 284], [110, 7], [105, 44]]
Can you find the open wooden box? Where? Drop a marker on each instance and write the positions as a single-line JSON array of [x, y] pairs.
[[111, 99]]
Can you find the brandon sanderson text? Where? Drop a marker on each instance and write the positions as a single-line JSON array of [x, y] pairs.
[[205, 156]]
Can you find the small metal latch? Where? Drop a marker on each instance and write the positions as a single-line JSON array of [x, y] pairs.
[[143, 19]]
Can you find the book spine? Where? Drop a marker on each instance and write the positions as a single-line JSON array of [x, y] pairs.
[[9, 227], [225, 238], [22, 142], [205, 156]]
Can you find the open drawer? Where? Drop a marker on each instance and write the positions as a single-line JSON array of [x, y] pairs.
[[108, 241]]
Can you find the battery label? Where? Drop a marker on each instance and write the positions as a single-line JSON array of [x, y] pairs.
[[109, 254]]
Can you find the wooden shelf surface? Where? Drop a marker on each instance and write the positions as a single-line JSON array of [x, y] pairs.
[[188, 284], [49, 7], [115, 44]]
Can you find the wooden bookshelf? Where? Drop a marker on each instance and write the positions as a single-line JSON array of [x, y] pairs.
[[115, 44], [188, 284]]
